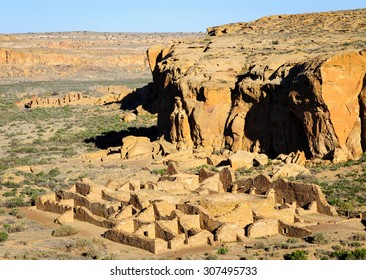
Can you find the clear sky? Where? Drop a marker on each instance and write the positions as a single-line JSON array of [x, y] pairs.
[[20, 16]]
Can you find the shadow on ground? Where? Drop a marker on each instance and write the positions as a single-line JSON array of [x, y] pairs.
[[114, 138]]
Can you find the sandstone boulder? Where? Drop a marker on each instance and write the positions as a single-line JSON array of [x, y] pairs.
[[129, 117], [172, 168], [296, 158], [241, 159], [289, 170], [136, 147], [260, 160]]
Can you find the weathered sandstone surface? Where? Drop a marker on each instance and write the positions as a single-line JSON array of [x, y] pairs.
[[276, 85]]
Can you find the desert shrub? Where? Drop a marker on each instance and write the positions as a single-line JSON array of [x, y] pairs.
[[110, 257], [292, 240], [6, 227], [92, 253], [358, 254], [222, 250], [297, 255], [3, 236], [14, 212], [10, 185], [211, 257], [16, 228], [160, 172], [337, 247], [64, 230], [355, 244], [243, 171], [13, 192], [358, 237], [32, 192], [259, 245], [15, 202], [318, 238], [281, 245]]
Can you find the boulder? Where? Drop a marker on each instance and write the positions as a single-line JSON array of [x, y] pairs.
[[226, 177], [172, 168], [260, 160], [296, 158], [136, 147], [204, 173], [241, 159], [288, 170], [129, 117]]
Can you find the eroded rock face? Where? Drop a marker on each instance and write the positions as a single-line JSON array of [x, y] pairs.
[[304, 91]]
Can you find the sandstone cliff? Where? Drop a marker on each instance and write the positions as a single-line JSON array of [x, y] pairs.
[[275, 85], [77, 55]]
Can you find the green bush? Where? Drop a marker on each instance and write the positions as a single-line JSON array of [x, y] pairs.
[[3, 236], [222, 250], [358, 254], [33, 193], [160, 172], [15, 228], [64, 230], [14, 212], [13, 192], [16, 202], [297, 255]]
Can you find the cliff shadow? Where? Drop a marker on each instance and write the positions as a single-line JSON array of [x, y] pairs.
[[114, 138], [143, 96]]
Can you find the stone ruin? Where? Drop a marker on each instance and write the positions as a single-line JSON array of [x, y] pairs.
[[110, 94], [181, 210]]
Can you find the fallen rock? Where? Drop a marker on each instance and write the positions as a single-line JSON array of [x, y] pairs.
[[172, 168], [204, 173], [136, 147], [296, 158], [217, 160], [166, 147], [226, 177], [260, 160], [288, 170], [241, 159], [339, 155], [129, 117]]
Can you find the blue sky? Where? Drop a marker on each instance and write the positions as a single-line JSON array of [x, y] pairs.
[[20, 16]]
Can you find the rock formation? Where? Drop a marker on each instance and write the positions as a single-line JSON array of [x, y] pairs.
[[77, 55], [280, 84]]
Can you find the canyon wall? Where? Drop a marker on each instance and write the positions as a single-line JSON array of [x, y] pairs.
[[77, 55], [275, 85]]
